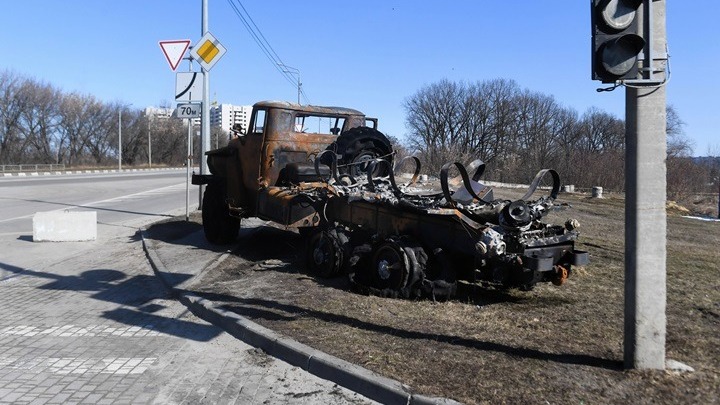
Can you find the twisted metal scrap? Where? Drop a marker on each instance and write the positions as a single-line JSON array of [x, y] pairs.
[[386, 189]]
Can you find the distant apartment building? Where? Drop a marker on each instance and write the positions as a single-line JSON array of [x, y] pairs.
[[164, 113], [226, 116], [221, 115], [159, 112]]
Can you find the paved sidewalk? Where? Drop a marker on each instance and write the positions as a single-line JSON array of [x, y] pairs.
[[182, 258], [97, 327]]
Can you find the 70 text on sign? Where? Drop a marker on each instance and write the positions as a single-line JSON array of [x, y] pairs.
[[188, 110]]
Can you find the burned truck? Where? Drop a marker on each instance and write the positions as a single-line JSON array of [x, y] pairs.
[[331, 174]]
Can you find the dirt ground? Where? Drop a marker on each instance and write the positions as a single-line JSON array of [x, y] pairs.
[[552, 345]]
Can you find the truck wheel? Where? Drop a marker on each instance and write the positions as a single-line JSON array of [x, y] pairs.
[[327, 252], [398, 265], [360, 145], [220, 228]]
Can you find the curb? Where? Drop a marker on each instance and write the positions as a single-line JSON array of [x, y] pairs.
[[323, 365]]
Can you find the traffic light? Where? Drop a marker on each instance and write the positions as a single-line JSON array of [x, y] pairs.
[[616, 40]]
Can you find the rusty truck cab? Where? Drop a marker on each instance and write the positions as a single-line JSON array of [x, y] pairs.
[[281, 136], [291, 133]]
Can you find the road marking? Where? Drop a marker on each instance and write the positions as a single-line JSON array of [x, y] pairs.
[[140, 195]]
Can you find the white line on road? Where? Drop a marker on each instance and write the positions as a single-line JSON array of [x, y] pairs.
[[161, 190]]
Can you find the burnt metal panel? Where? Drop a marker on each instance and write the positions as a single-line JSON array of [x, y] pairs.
[[287, 207], [442, 229]]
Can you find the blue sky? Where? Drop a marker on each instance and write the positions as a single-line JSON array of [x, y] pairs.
[[370, 55]]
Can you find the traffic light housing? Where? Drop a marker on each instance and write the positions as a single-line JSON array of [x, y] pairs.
[[616, 40]]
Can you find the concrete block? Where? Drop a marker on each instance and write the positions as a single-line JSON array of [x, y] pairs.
[[64, 226]]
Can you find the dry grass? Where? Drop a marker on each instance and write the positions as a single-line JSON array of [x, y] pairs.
[[551, 345]]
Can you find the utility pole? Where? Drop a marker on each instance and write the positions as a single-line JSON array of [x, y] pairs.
[[120, 138], [120, 134], [149, 144], [205, 110], [295, 71], [188, 165], [645, 215]]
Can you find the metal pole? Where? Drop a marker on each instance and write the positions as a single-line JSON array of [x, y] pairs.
[[205, 110], [645, 216], [292, 70], [149, 145], [188, 164], [120, 139]]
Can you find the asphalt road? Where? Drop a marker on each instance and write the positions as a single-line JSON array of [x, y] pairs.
[[129, 199], [88, 322]]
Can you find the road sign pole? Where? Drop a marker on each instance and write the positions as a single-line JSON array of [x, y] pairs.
[[120, 139], [645, 216], [149, 146], [188, 165], [205, 114]]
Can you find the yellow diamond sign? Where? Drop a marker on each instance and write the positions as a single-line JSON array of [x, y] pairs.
[[207, 51]]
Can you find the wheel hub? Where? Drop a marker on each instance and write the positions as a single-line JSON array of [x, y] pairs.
[[318, 256], [383, 269]]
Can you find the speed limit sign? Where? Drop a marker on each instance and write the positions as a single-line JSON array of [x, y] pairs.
[[188, 110]]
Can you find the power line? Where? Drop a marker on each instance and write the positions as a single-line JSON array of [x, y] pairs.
[[259, 42], [263, 43]]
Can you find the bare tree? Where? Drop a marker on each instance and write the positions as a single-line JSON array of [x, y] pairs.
[[678, 144], [170, 141], [133, 134], [457, 122], [12, 105], [39, 122], [515, 131], [100, 131]]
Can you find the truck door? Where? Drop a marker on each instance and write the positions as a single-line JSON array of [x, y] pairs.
[[251, 151]]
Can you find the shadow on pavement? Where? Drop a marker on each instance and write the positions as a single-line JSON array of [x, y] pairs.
[[114, 286]]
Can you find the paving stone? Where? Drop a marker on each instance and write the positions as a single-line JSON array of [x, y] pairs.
[[94, 325]]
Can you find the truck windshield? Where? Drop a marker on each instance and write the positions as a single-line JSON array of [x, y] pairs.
[[318, 124]]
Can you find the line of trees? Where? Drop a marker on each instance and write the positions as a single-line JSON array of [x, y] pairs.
[[41, 124], [517, 132]]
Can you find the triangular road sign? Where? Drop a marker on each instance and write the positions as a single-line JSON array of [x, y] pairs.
[[174, 51]]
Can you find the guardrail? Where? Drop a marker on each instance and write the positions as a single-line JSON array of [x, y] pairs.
[[31, 168]]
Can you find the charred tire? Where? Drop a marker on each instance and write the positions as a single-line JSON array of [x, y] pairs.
[[358, 146], [219, 227], [327, 252], [397, 268]]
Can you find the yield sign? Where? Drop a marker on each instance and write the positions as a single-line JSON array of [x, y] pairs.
[[174, 51]]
